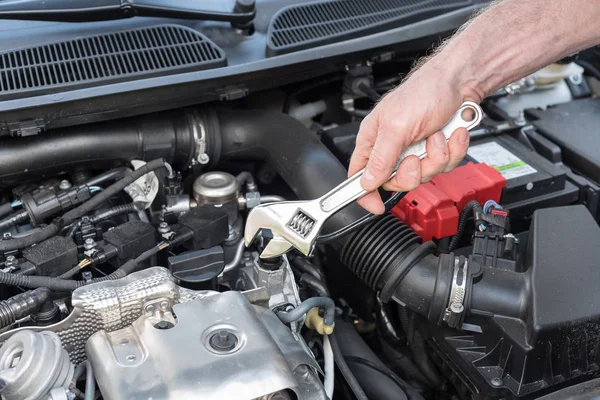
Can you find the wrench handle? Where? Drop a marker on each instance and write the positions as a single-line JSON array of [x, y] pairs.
[[350, 190]]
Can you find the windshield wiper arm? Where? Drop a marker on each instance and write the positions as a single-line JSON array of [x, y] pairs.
[[105, 10]]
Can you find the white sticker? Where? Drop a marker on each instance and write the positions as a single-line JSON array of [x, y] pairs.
[[505, 162]]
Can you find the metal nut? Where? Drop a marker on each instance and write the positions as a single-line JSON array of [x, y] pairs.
[[150, 308], [64, 184], [164, 305], [252, 199]]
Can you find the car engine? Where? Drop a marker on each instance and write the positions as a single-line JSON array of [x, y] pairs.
[[123, 268]]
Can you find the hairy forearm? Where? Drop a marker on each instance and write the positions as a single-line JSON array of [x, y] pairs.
[[514, 38]]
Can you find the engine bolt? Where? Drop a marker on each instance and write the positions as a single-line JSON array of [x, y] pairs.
[[162, 325], [89, 244], [64, 184], [497, 382], [164, 305], [223, 341], [163, 228], [11, 261], [203, 158], [150, 308]]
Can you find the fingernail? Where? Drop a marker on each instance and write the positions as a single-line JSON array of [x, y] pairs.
[[463, 136], [439, 139], [368, 180], [412, 167]]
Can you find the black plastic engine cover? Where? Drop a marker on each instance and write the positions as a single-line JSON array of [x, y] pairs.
[[550, 336]]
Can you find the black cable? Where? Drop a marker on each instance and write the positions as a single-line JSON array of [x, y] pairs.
[[472, 207], [110, 175], [368, 363], [103, 216], [347, 373], [113, 212], [589, 68], [369, 92], [5, 209], [304, 265], [14, 219], [85, 208], [322, 302], [315, 284], [359, 223]]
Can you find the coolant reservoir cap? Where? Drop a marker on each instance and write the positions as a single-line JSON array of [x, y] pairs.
[[215, 187]]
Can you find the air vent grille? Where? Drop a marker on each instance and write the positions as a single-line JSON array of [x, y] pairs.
[[112, 57], [313, 24]]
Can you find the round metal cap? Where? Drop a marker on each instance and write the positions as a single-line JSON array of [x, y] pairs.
[[215, 188]]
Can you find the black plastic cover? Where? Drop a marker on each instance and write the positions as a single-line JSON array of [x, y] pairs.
[[198, 269], [101, 59], [307, 25], [574, 127], [131, 239], [208, 224], [52, 257], [534, 329]]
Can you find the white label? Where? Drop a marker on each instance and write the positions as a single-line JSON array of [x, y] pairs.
[[505, 162]]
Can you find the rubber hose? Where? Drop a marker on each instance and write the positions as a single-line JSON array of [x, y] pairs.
[[13, 220], [5, 209], [168, 135], [110, 175], [589, 68], [90, 382], [322, 302], [246, 178], [472, 207], [22, 305], [315, 284], [375, 384], [347, 373], [306, 266], [297, 155], [375, 251], [113, 212]]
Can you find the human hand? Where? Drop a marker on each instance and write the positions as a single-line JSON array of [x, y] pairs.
[[414, 111]]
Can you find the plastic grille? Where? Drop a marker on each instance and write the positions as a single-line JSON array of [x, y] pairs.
[[307, 25], [112, 57]]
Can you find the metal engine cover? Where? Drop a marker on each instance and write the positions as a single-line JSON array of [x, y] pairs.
[[143, 362]]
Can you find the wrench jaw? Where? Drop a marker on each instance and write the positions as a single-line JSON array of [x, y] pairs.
[[275, 217]]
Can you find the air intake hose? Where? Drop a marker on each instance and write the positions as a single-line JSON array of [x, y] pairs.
[[295, 152], [387, 256], [169, 135]]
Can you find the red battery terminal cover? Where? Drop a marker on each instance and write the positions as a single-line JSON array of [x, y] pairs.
[[432, 209]]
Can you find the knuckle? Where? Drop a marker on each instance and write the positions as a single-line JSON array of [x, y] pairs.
[[377, 163]]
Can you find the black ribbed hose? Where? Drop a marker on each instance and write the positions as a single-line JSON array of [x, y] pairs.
[[22, 305]]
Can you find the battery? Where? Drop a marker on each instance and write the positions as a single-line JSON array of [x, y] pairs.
[[532, 181]]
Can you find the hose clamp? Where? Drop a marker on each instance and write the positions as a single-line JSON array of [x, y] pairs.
[[199, 138], [455, 310]]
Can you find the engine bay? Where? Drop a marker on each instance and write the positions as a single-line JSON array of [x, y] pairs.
[[124, 273]]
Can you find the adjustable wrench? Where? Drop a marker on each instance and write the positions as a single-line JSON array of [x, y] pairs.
[[298, 223]]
